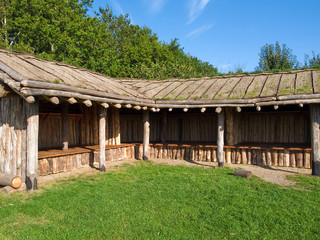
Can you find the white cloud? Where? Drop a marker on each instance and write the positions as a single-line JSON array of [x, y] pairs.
[[155, 6], [225, 68], [196, 7], [200, 30], [117, 7]]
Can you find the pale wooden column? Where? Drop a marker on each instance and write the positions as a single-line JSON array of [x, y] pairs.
[[102, 138], [315, 136], [146, 134], [220, 137], [164, 127], [32, 114], [65, 126]]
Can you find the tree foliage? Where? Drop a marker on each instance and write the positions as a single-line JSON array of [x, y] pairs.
[[62, 30], [275, 57], [313, 61]]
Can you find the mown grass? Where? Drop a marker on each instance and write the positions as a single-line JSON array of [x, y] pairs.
[[164, 202]]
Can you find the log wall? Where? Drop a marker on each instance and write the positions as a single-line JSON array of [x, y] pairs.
[[285, 157], [13, 136], [58, 161]]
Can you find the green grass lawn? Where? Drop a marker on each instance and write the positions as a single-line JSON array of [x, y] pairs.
[[149, 201]]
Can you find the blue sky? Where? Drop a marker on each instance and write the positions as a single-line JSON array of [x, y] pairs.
[[227, 33]]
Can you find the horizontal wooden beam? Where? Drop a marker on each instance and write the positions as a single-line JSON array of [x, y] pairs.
[[289, 102], [136, 107], [53, 100], [30, 99], [117, 105], [72, 100], [63, 87], [16, 76], [88, 103], [298, 97], [105, 105]]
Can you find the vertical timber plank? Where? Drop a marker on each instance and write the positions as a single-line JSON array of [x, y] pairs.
[[102, 138], [146, 134], [220, 137], [315, 135]]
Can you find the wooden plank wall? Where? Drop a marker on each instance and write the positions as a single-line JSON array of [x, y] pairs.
[[180, 128], [12, 136], [273, 128], [50, 125], [83, 128]]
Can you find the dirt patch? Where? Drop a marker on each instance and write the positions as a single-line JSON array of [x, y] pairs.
[[276, 175]]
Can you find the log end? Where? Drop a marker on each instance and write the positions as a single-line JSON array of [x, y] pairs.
[[16, 182], [242, 173]]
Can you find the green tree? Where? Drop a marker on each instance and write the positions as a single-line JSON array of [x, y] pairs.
[[63, 31], [275, 57], [313, 61]]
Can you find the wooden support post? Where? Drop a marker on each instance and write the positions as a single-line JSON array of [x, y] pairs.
[[65, 126], [315, 138], [164, 127], [220, 138], [102, 138], [146, 134], [32, 114]]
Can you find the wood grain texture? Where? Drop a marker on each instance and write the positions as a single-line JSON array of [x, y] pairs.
[[32, 114]]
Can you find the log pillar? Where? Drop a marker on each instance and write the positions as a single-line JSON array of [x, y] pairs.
[[65, 126], [102, 138], [315, 138], [32, 115], [146, 134], [164, 127], [220, 137]]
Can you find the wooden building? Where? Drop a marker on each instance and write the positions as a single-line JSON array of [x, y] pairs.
[[56, 117]]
